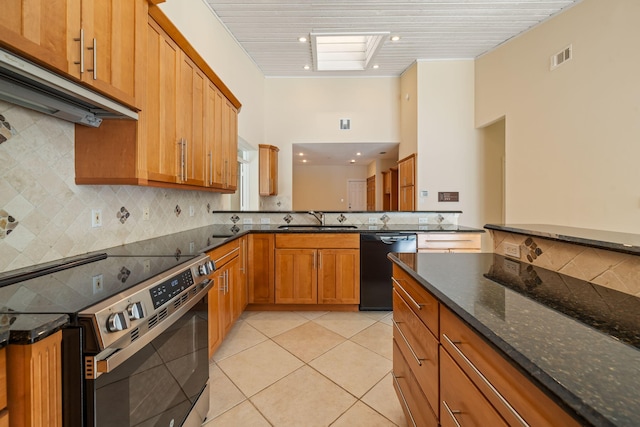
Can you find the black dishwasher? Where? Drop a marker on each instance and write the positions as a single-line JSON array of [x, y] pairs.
[[375, 267]]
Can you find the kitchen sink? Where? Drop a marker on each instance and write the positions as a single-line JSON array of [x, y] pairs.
[[317, 227]]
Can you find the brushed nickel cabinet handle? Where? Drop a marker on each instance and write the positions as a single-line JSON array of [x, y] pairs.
[[452, 413], [413, 301], [94, 48], [81, 40], [404, 400], [413, 353], [186, 160], [484, 379], [210, 168]]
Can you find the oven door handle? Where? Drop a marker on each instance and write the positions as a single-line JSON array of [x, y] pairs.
[[107, 361]]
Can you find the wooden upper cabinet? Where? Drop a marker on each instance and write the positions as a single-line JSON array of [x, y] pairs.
[[371, 193], [96, 42], [231, 143], [268, 170], [191, 117], [42, 31], [407, 171]]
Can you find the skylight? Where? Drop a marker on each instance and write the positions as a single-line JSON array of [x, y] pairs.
[[345, 51]]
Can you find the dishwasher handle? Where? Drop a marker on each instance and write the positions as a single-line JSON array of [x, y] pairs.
[[390, 240]]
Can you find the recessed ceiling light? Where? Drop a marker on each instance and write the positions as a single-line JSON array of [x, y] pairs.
[[395, 38], [304, 160], [376, 66], [306, 67], [302, 39], [358, 154], [300, 154], [352, 161]]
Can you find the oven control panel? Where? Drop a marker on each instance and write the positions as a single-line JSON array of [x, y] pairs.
[[129, 315]]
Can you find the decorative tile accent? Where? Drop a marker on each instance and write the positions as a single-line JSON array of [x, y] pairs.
[[288, 218], [6, 131], [177, 210], [342, 218], [7, 223], [235, 229], [178, 253], [124, 274], [384, 218], [235, 218], [534, 250], [208, 207], [123, 214]]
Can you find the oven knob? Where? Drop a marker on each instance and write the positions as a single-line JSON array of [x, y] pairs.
[[118, 321], [203, 269], [136, 311], [211, 266]]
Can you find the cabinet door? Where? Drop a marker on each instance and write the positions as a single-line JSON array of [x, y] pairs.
[[231, 145], [261, 276], [225, 304], [190, 122], [110, 45], [219, 174], [213, 313], [407, 199], [237, 287], [163, 62], [296, 276], [407, 171], [43, 31], [338, 276]]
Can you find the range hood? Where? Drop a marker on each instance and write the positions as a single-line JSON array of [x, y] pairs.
[[31, 86]]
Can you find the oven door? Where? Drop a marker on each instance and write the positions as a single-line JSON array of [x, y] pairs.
[[163, 384]]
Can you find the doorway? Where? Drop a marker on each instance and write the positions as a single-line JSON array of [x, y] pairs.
[[357, 195]]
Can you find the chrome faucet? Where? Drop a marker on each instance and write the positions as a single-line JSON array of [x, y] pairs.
[[318, 215]]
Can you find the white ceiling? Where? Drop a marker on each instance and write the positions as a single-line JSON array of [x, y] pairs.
[[333, 154], [268, 30]]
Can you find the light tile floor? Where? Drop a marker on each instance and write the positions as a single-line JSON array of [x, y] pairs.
[[305, 369]]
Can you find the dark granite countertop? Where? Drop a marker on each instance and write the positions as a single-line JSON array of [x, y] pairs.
[[611, 240], [29, 328], [578, 341]]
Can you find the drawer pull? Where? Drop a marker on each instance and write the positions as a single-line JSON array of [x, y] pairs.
[[413, 353], [484, 379], [452, 413], [404, 401], [414, 302]]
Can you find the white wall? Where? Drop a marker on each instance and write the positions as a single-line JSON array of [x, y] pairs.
[[448, 154], [323, 187], [408, 112], [571, 134], [309, 110]]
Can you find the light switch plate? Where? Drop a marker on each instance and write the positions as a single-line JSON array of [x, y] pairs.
[[512, 250]]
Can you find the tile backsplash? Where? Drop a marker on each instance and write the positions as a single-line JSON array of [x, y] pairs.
[[45, 216], [614, 270]]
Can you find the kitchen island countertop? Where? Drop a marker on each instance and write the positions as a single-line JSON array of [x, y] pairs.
[[576, 340]]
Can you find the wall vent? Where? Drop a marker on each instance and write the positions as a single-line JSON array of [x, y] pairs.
[[561, 57]]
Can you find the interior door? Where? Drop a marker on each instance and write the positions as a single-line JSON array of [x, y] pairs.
[[357, 194]]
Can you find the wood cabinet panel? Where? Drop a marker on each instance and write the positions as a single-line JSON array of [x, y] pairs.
[[34, 374], [407, 171], [414, 403], [214, 327], [4, 418], [407, 199], [424, 305], [268, 166], [371, 193], [3, 378], [339, 276], [296, 276], [461, 402], [419, 347], [318, 240], [525, 401], [261, 269]]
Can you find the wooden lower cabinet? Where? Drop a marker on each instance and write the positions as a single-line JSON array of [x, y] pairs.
[[261, 268], [440, 360], [34, 375], [4, 412], [413, 401], [317, 269]]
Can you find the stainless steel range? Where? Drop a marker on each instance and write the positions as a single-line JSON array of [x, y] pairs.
[[135, 351]]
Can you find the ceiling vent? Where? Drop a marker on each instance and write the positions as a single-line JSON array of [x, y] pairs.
[[561, 57], [345, 51]]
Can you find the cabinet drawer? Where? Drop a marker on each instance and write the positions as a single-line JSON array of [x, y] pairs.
[[317, 241], [449, 241], [414, 404], [461, 402], [419, 347], [225, 253], [423, 304], [497, 379]]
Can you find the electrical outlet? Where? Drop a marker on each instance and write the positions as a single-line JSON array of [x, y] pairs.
[[373, 220], [511, 267], [146, 265], [265, 221], [192, 247], [247, 220], [96, 218], [423, 220], [512, 250], [145, 213], [192, 211], [424, 193], [97, 283]]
